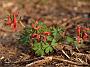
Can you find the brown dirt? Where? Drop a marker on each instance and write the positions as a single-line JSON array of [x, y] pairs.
[[13, 54]]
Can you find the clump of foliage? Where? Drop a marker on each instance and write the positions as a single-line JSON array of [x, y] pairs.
[[9, 23], [81, 36], [41, 38]]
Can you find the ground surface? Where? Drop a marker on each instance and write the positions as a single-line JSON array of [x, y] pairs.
[[13, 54]]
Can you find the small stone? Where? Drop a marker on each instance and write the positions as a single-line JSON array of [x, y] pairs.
[[2, 58]]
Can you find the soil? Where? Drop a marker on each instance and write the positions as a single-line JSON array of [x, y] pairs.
[[13, 54]]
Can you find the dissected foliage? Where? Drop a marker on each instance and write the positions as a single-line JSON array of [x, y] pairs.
[[41, 37]]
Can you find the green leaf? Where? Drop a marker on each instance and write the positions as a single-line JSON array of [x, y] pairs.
[[49, 38], [69, 39], [24, 40], [45, 46], [36, 46], [53, 43], [42, 24], [55, 32], [48, 49], [76, 45], [28, 30], [58, 37], [60, 29], [40, 52]]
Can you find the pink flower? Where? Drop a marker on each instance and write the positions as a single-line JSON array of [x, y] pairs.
[[14, 22], [44, 38], [9, 21], [85, 36], [46, 33], [33, 25], [36, 28], [78, 39], [34, 35], [87, 29], [40, 19], [78, 30], [36, 22], [38, 38]]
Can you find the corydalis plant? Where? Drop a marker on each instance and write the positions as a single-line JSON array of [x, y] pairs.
[[82, 33], [9, 23], [80, 38], [42, 38], [12, 21]]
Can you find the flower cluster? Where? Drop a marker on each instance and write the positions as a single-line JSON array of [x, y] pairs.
[[39, 36], [12, 22], [81, 33], [43, 39]]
